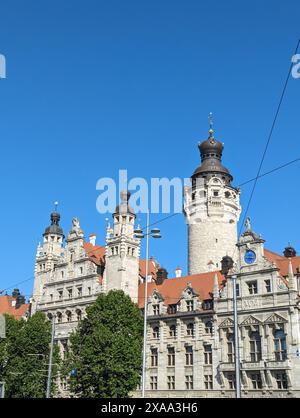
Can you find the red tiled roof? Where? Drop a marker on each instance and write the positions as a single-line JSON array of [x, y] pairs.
[[7, 308], [282, 262], [95, 252], [152, 268], [171, 289]]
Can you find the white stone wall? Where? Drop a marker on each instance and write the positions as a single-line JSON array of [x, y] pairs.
[[212, 211]]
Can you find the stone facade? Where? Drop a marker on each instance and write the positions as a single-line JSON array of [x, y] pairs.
[[269, 343], [190, 345]]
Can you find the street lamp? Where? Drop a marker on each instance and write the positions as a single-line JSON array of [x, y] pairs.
[[154, 233], [227, 265]]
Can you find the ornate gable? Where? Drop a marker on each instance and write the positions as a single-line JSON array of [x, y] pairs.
[[156, 297], [188, 292], [275, 319], [251, 320], [228, 323]]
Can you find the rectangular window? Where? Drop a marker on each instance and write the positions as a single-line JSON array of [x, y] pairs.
[[268, 286], [79, 291], [154, 357], [207, 354], [256, 380], [237, 290], [89, 290], [190, 329], [255, 347], [155, 309], [60, 294], [281, 380], [189, 382], [207, 305], [280, 345], [230, 348], [252, 287], [231, 380], [189, 355], [153, 382], [171, 356], [208, 382], [70, 293], [171, 382]]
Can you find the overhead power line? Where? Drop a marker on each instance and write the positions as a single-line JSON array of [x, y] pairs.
[[268, 139]]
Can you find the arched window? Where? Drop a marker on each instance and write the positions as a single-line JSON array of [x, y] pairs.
[[79, 315], [208, 327], [59, 317], [190, 329], [280, 345], [69, 316], [172, 331], [255, 346], [155, 332]]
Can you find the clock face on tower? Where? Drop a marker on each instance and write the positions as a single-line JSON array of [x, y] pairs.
[[249, 257]]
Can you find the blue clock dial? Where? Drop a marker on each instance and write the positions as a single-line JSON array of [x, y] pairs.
[[250, 257]]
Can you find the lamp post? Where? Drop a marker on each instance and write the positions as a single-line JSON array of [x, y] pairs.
[[48, 392], [227, 266], [236, 342], [155, 233]]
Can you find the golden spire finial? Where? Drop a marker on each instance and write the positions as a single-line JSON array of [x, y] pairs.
[[211, 131]]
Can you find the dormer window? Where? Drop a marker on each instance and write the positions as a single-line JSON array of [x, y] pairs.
[[156, 309], [189, 305], [216, 193]]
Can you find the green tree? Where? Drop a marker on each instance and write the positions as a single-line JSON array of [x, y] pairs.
[[106, 348], [24, 357]]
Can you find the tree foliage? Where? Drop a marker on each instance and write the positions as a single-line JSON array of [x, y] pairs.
[[106, 348], [24, 356]]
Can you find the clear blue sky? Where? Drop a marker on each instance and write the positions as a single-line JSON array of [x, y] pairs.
[[95, 86]]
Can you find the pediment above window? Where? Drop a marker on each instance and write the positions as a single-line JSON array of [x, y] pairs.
[[275, 319], [251, 320], [189, 293], [156, 297], [228, 323]]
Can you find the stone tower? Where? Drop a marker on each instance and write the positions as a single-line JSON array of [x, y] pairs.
[[212, 210], [122, 251], [47, 256]]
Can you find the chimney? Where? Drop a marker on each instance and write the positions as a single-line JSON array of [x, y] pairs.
[[161, 275], [178, 272], [93, 239]]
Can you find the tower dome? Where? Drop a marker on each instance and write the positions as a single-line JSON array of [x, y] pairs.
[[54, 228], [124, 205], [289, 251], [211, 156]]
